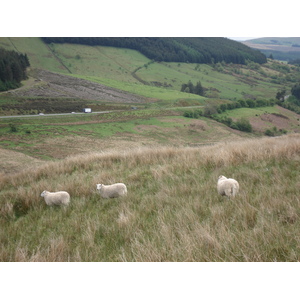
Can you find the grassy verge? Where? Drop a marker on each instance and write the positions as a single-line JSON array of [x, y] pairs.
[[33, 135]]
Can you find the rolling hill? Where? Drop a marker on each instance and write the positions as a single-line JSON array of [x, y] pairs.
[[143, 137], [285, 49], [130, 71], [65, 78], [176, 49]]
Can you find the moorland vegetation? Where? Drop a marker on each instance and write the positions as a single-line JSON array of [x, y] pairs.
[[169, 148], [172, 211]]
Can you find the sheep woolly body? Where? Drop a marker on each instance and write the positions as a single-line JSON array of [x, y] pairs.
[[112, 191], [227, 186], [56, 198]]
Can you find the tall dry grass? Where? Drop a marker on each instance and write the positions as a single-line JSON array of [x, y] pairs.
[[172, 211]]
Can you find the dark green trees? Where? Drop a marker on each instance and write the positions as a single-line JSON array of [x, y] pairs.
[[296, 90], [203, 50], [190, 88], [12, 69]]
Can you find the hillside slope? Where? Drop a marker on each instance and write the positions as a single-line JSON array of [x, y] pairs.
[[170, 163], [172, 211], [129, 70], [53, 85], [175, 49]]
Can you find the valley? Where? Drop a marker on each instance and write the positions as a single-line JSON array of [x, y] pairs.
[[169, 147]]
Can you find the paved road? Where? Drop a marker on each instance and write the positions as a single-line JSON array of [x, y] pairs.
[[81, 113], [51, 115]]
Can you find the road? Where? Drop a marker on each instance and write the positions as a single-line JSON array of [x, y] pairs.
[[82, 113], [51, 115]]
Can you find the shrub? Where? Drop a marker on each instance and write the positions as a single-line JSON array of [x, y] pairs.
[[275, 132], [13, 128], [195, 114], [223, 107], [210, 110], [244, 125], [243, 103], [269, 132], [250, 103]]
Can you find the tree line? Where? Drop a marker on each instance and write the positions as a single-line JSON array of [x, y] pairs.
[[12, 69], [204, 50]]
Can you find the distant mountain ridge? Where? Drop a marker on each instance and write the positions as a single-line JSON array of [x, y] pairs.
[[285, 49], [287, 41], [200, 50]]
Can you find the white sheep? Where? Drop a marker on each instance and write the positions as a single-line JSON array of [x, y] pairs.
[[112, 191], [227, 186], [56, 198]]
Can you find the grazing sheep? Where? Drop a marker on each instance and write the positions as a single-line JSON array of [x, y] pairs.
[[56, 198], [227, 187], [112, 191]]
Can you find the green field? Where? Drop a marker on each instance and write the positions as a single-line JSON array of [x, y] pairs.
[[249, 112], [166, 96], [129, 70]]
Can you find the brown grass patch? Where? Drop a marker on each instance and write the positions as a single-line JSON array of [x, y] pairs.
[[13, 161]]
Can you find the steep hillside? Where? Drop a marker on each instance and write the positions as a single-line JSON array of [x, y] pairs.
[[53, 85], [194, 50], [39, 54], [130, 71]]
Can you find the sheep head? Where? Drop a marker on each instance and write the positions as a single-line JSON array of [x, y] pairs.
[[99, 186], [44, 193]]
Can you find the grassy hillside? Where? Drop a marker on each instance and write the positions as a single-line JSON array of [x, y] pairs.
[[57, 137], [129, 70], [118, 67], [174, 49], [169, 162], [172, 211], [38, 53]]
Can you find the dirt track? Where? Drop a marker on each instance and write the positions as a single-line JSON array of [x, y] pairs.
[[48, 84]]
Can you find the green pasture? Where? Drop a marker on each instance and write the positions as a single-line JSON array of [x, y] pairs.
[[125, 69], [217, 84], [31, 130], [152, 92], [113, 63], [29, 137], [38, 53], [249, 112]]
